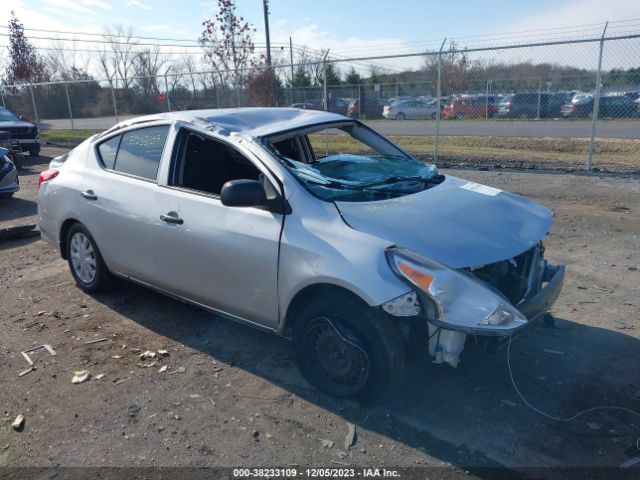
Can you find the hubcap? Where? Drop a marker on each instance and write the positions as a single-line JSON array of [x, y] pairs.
[[83, 257], [340, 362]]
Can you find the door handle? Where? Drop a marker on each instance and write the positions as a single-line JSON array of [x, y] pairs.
[[89, 195], [171, 219]]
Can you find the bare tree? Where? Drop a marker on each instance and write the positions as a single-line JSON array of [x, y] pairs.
[[147, 65], [67, 63], [117, 57]]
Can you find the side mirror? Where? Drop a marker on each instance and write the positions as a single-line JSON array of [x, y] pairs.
[[243, 193]]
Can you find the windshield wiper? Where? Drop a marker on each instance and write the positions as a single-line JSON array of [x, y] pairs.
[[394, 179]]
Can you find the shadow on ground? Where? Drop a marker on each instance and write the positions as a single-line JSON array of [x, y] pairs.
[[471, 416]]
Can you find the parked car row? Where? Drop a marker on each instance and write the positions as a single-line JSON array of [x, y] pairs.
[[517, 105]]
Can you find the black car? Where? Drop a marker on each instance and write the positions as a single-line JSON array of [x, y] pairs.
[[373, 108], [532, 105], [24, 135], [618, 106]]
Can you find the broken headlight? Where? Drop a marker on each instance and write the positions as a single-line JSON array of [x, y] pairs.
[[462, 302]]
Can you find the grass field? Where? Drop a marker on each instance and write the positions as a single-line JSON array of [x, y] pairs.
[[609, 153]]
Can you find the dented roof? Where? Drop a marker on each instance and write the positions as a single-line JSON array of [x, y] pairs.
[[256, 122]]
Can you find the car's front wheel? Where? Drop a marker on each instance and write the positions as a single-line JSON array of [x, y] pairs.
[[85, 261], [347, 349], [34, 151]]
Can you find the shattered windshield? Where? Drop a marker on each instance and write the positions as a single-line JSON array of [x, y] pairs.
[[353, 164]]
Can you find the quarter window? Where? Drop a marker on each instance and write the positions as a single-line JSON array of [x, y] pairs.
[[108, 151]]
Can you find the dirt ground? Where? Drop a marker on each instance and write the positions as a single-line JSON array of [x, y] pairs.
[[232, 396]]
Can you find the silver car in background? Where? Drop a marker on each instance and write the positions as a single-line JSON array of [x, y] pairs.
[[360, 259], [411, 108]]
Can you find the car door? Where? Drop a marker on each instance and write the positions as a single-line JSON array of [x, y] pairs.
[[117, 197], [222, 257]]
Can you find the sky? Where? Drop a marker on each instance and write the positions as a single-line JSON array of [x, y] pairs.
[[348, 28]]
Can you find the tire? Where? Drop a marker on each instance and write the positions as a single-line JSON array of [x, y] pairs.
[[85, 261], [433, 116], [460, 116], [401, 116], [524, 116], [6, 194], [347, 349], [34, 151]]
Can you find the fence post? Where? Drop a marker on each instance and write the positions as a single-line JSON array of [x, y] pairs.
[[66, 90], [360, 112], [326, 105], [113, 98], [438, 103], [35, 110], [486, 101], [166, 89], [539, 94], [3, 104], [596, 100]]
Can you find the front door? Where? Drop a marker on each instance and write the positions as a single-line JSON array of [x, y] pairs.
[[222, 257]]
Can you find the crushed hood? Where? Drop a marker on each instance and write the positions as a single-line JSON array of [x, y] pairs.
[[458, 223]]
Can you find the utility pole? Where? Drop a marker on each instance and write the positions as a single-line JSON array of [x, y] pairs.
[[265, 6], [291, 62]]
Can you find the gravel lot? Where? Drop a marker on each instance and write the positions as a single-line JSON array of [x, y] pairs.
[[232, 396]]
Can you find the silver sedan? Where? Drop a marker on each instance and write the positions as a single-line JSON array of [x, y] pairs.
[[359, 259]]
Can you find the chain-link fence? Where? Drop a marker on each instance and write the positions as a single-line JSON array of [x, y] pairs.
[[571, 103]]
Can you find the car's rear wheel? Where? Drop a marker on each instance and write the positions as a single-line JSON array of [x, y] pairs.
[[347, 349], [85, 261], [401, 116], [34, 151]]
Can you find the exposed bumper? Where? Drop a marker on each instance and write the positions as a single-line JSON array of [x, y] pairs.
[[542, 301]]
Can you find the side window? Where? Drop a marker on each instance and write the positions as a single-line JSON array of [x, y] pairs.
[[205, 165], [108, 151], [140, 151]]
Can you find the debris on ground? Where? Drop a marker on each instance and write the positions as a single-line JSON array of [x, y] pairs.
[[47, 347], [630, 463], [121, 380], [178, 370], [80, 376], [508, 402], [133, 410], [18, 423], [96, 341], [116, 356], [553, 352], [327, 444], [162, 369], [350, 439], [99, 376], [163, 353], [147, 354], [28, 370]]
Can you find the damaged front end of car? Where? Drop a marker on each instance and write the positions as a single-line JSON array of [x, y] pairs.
[[495, 300]]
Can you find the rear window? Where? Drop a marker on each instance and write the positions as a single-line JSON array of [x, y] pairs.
[[136, 152]]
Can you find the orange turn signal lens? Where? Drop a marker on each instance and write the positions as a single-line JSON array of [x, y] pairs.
[[421, 279]]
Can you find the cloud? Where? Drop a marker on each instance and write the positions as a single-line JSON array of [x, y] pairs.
[[70, 5], [96, 3], [139, 4]]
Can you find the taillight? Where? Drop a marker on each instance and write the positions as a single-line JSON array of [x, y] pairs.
[[47, 175], [508, 105], [386, 108]]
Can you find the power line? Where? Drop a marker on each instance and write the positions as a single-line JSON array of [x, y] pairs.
[[111, 42]]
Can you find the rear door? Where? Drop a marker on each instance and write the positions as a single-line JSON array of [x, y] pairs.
[[222, 257], [117, 197]]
